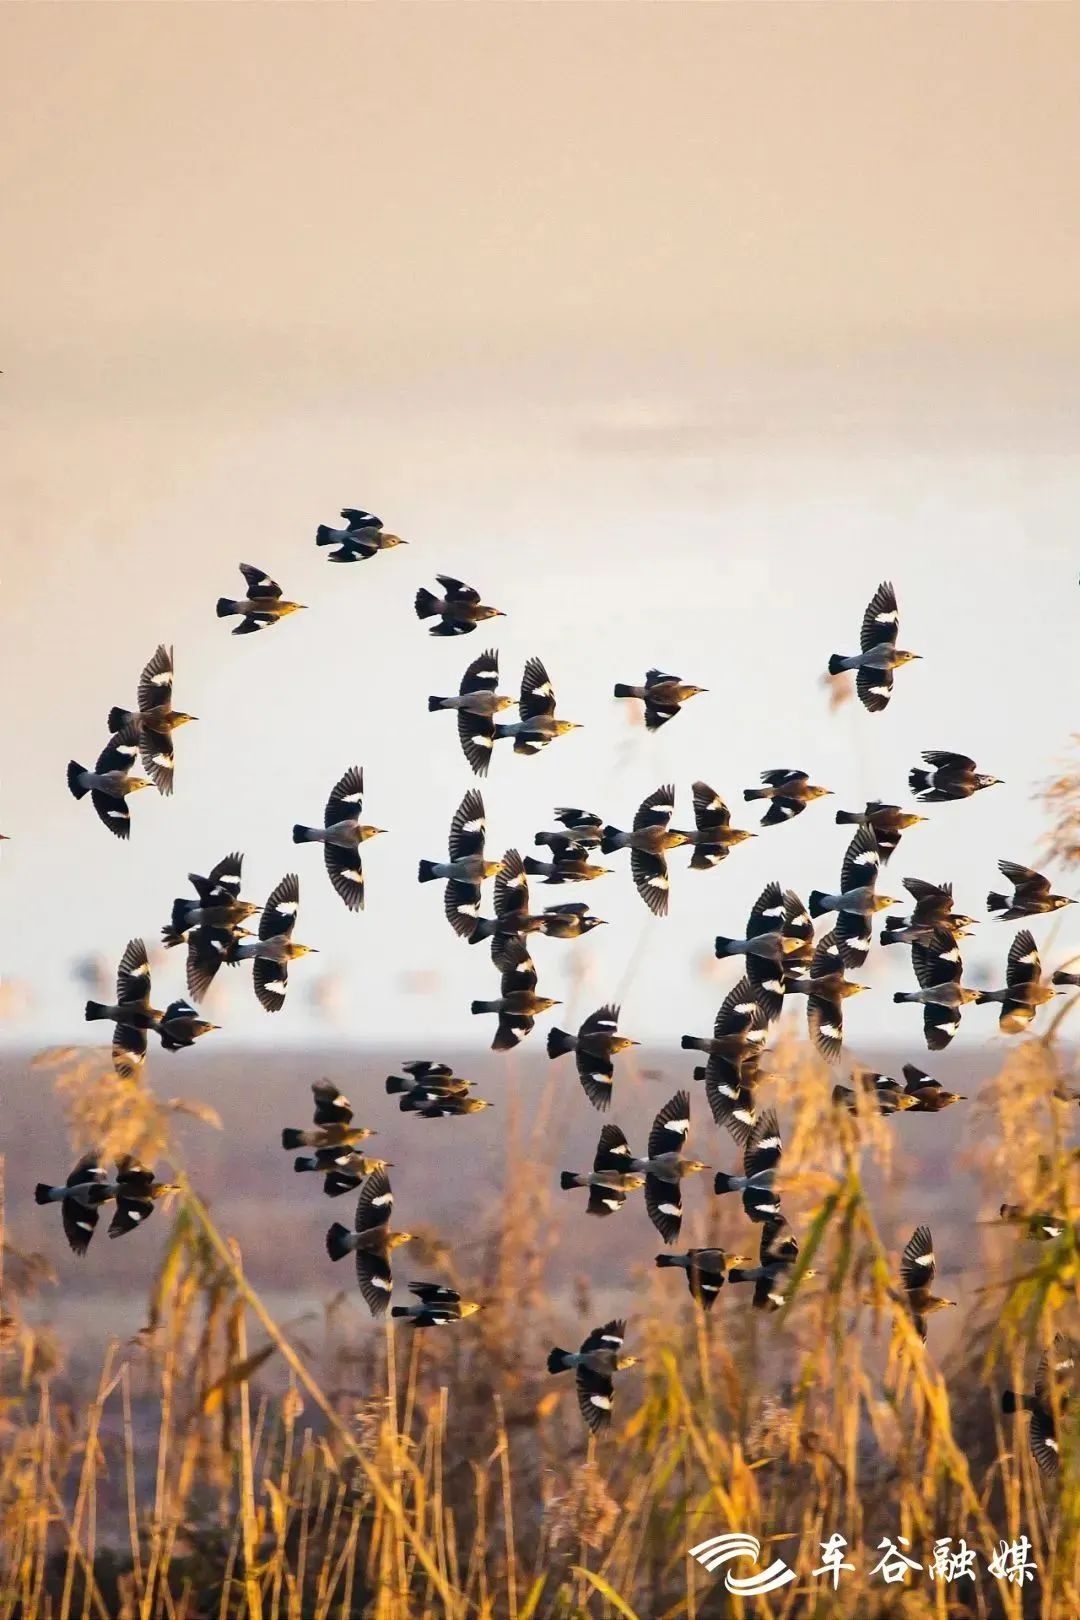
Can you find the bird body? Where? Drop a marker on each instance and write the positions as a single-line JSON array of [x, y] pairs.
[[155, 719], [459, 610], [595, 1364], [362, 537], [888, 822], [1031, 896], [951, 776], [537, 724], [262, 606], [879, 655], [1025, 989], [110, 783], [663, 695], [371, 1241], [341, 835], [788, 791]]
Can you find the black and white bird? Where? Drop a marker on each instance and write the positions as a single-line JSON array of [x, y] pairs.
[[477, 703], [362, 536], [263, 605], [133, 1016], [594, 1046], [1025, 989], [275, 947], [582, 827], [665, 1168], [769, 945], [1031, 896], [371, 1241], [110, 783], [332, 1119], [610, 1178], [951, 776], [595, 1365], [939, 969], [887, 820], [517, 1004], [648, 841], [706, 1271], [761, 1166], [80, 1198], [826, 989], [918, 1267], [734, 1049], [879, 655], [435, 1306], [459, 609], [341, 835], [154, 720], [537, 724], [663, 696], [857, 899], [713, 834], [778, 1255], [933, 911], [466, 869], [788, 791], [1055, 1380]]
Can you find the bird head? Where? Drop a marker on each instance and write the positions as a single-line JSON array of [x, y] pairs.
[[563, 726], [181, 719], [303, 950], [543, 1003], [370, 832], [245, 908], [988, 781], [900, 657], [882, 902], [694, 691], [738, 1260], [738, 835], [619, 1043], [389, 541], [690, 1165], [135, 783], [469, 1307], [490, 613], [623, 1362], [502, 702], [291, 607], [394, 1240], [492, 868], [818, 792], [849, 988]]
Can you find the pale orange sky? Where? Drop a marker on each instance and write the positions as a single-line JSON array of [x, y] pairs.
[[677, 327]]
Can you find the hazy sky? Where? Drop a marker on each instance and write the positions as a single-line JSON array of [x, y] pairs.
[[674, 329]]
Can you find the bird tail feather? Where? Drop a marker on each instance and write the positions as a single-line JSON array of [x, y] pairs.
[[225, 607], [43, 1193], [622, 691], [291, 1140], [996, 902], [918, 780], [755, 793], [304, 1162], [485, 1006], [609, 840], [571, 1178], [559, 1043], [119, 718], [426, 604], [325, 536], [396, 1083], [337, 1246], [663, 1260], [434, 703], [815, 904], [533, 867], [74, 773], [848, 818], [724, 1183], [300, 833], [723, 944], [94, 1010], [426, 872], [559, 1360]]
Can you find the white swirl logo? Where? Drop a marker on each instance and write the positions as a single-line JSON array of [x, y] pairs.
[[737, 1544]]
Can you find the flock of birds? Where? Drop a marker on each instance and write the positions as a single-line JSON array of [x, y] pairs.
[[781, 958]]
